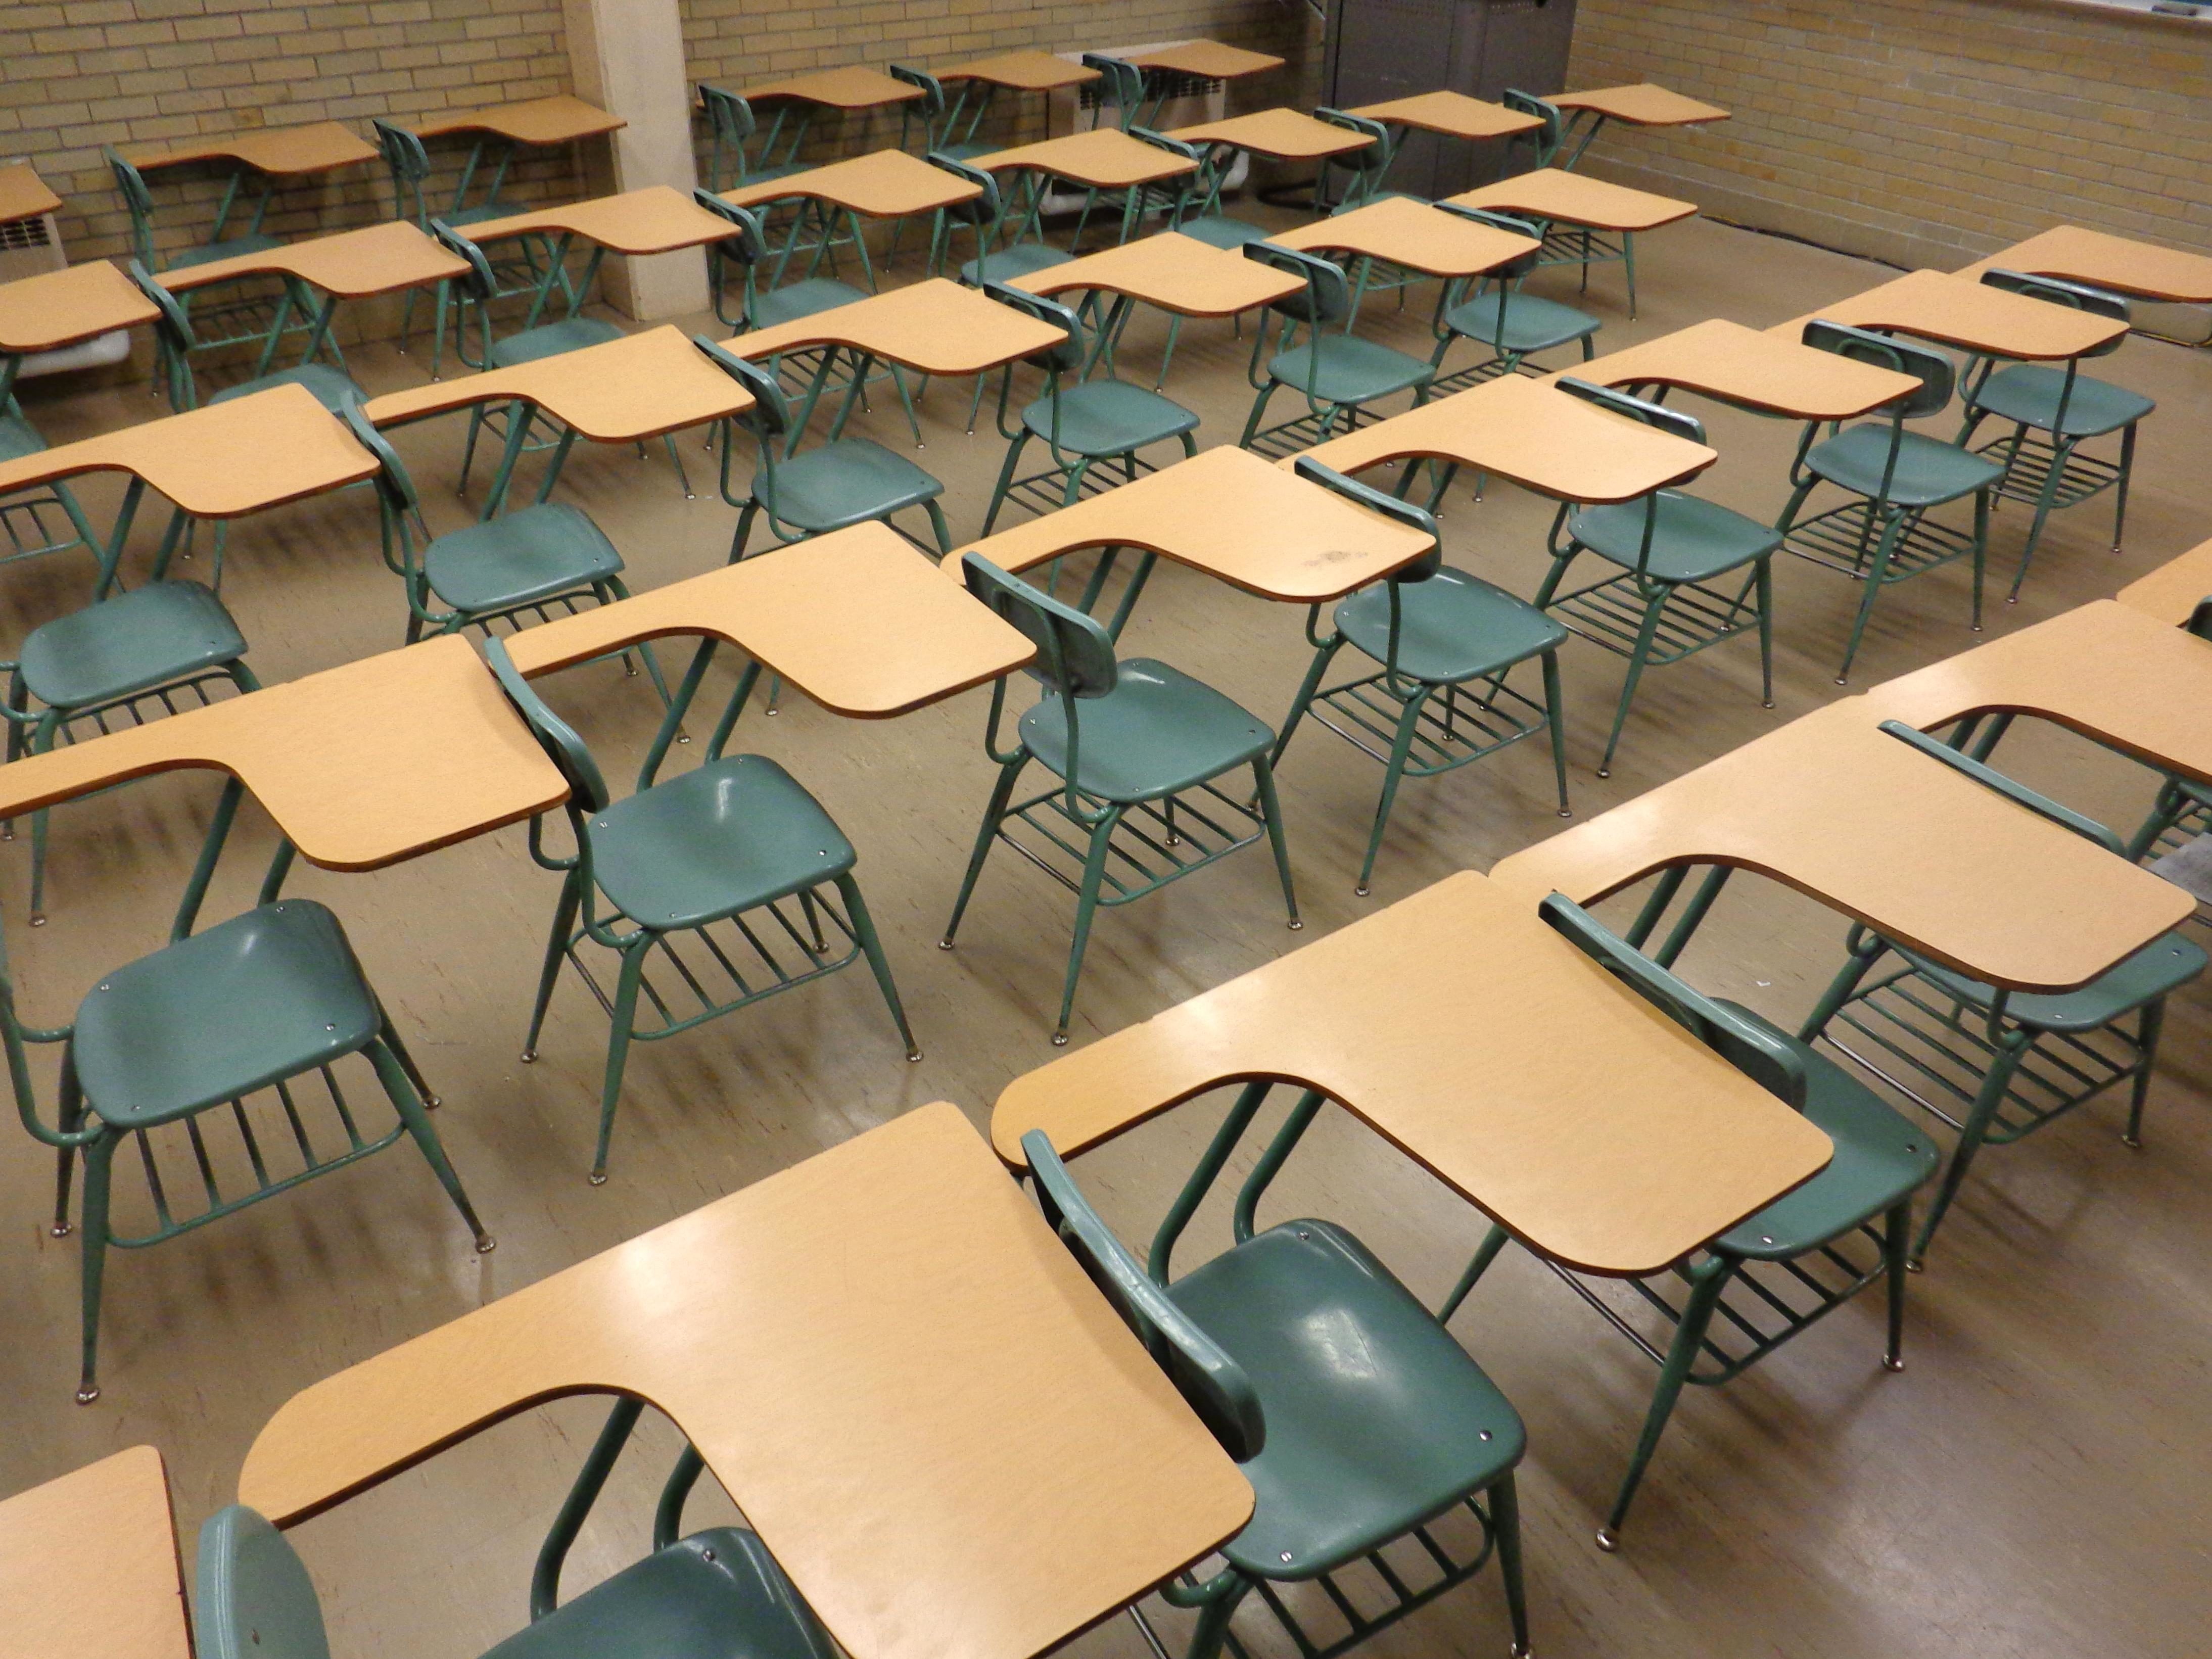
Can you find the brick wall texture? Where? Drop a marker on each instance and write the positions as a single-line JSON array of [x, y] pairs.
[[1924, 131]]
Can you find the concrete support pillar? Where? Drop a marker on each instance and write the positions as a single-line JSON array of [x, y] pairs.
[[627, 56]]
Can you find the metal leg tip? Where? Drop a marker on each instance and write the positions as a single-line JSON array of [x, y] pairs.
[[530, 1056], [1607, 1539], [1522, 1650], [433, 1101], [914, 1053], [1566, 813], [59, 1230], [37, 918], [1768, 703], [2133, 1143], [8, 833], [1843, 679], [1915, 1265], [88, 1394], [1607, 771], [1891, 1362], [1060, 1039], [486, 1243], [944, 945], [1360, 891], [598, 1177]]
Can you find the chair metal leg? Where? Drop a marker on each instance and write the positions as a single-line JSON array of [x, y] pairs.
[[1086, 907], [618, 1037], [1896, 1232], [1763, 580], [1001, 793], [863, 928], [1394, 771], [1005, 479], [1554, 718], [2146, 1035], [70, 1114], [2119, 484], [1708, 1278], [583, 1492], [556, 947], [1638, 655], [1264, 775], [668, 1514], [1258, 408], [409, 1105], [1322, 657], [1870, 586], [92, 1245], [393, 1041], [1505, 1527], [1492, 1241], [2010, 1052], [942, 531], [744, 532], [2060, 453]]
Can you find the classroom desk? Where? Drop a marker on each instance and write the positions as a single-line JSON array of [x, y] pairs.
[[1836, 808], [2173, 591], [849, 89], [23, 194], [887, 185], [657, 219], [279, 152], [2143, 270], [1643, 105], [1487, 1048], [351, 264], [88, 1566], [1535, 435], [362, 766], [1282, 135], [1449, 115], [1104, 158], [1752, 369], [945, 1436], [1021, 72], [1400, 231], [1230, 514], [221, 461], [1960, 312], [1171, 270], [2118, 677], [1207, 60], [534, 121], [1558, 197], [59, 308]]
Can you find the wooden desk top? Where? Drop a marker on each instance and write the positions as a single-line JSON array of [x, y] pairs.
[[23, 194], [114, 1513], [287, 152], [352, 264], [1466, 1032], [1288, 135], [1022, 72], [654, 220], [363, 765], [2171, 592], [945, 1436], [2102, 260], [1173, 271], [1958, 311], [1231, 514], [1405, 232], [936, 327], [887, 185], [1538, 436], [1643, 105], [851, 88], [1208, 59], [1833, 807], [1104, 158], [2119, 677], [534, 121], [60, 307], [1576, 198], [1454, 114], [1752, 369], [221, 461], [620, 391], [856, 619]]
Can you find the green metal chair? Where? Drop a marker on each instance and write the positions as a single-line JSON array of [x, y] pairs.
[[1337, 374], [732, 128], [122, 654], [2064, 409], [1883, 535], [1088, 425], [478, 288], [1569, 245], [1493, 311], [1344, 1459], [837, 484], [733, 861], [764, 306], [717, 1595], [1196, 211], [1996, 1066], [1787, 1267], [1543, 141], [1447, 641], [252, 1008], [2181, 816], [1672, 591], [984, 218], [946, 125], [1362, 168], [23, 517], [1136, 747]]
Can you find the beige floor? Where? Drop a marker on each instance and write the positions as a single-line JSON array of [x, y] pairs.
[[2032, 1485]]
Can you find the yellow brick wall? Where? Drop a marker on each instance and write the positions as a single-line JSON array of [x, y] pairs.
[[1924, 131]]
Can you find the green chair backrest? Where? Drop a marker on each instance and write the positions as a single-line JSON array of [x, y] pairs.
[[932, 101], [1327, 296], [984, 211], [251, 1597], [1074, 656], [1517, 269], [1670, 421], [746, 245], [1931, 368], [1389, 506], [1365, 166], [2011, 788], [2080, 296], [478, 284], [1546, 137], [175, 325], [1121, 83], [1064, 358], [730, 120], [410, 163], [587, 788], [1214, 1385], [1201, 188], [770, 415], [1759, 1055], [393, 483], [137, 201]]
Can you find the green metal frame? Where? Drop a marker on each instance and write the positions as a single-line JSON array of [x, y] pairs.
[[1325, 304], [22, 514]]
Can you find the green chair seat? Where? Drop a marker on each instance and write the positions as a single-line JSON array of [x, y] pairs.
[[1692, 540], [228, 248], [810, 297], [846, 482], [1347, 369], [1451, 626], [1158, 733], [1009, 263], [521, 556], [1377, 1419], [2164, 965], [1929, 471], [1880, 1157], [1532, 324], [331, 388], [18, 437], [221, 1013], [164, 631], [1221, 231], [1109, 417], [2030, 392], [723, 837], [550, 340], [717, 1595]]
